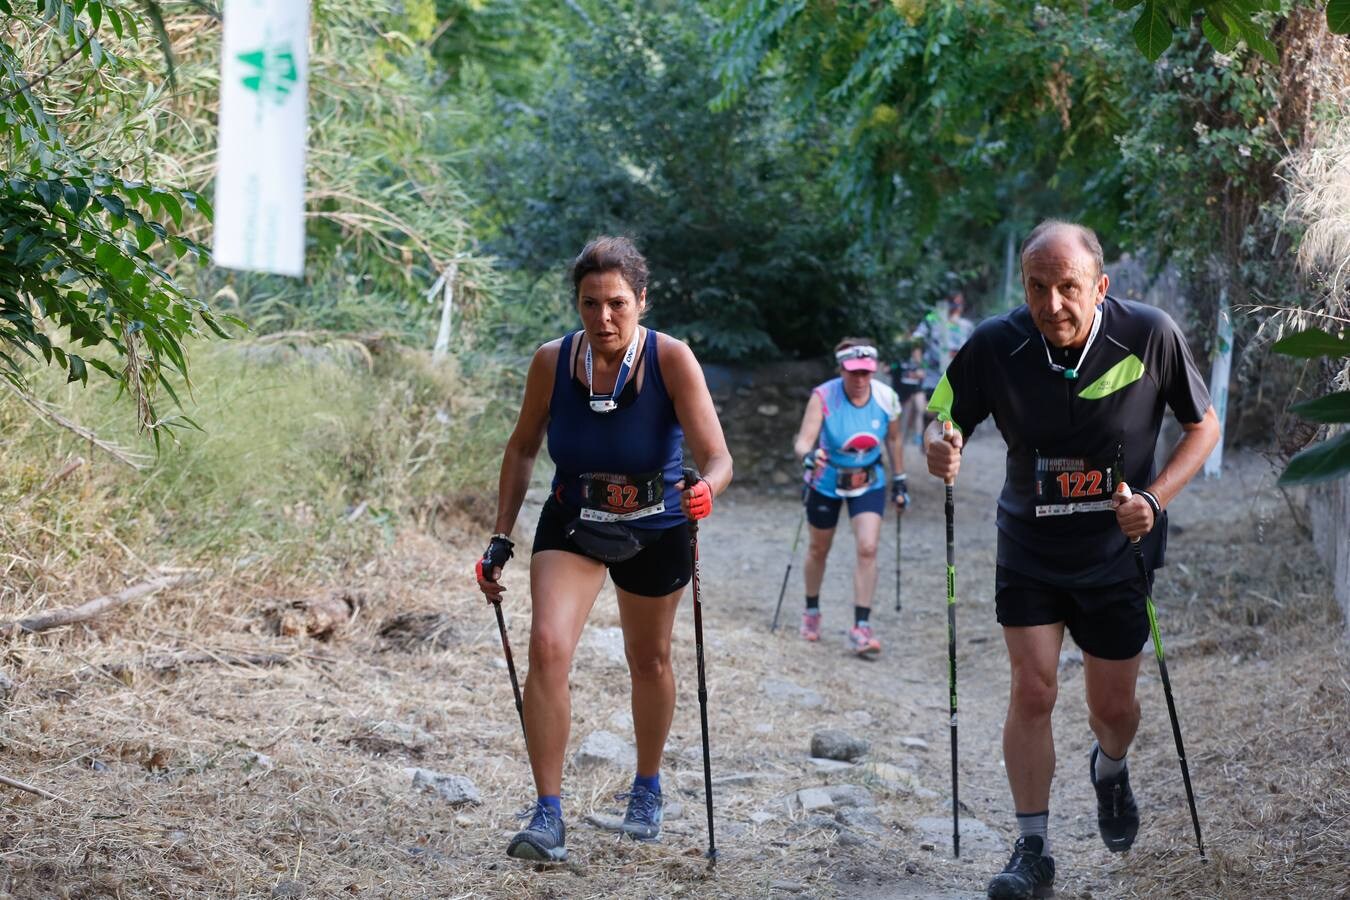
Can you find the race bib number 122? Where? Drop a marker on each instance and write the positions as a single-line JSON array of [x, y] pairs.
[[1066, 485]]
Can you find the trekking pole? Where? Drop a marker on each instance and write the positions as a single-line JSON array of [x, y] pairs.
[[898, 517], [691, 476], [511, 667], [1124, 491], [783, 590], [951, 644]]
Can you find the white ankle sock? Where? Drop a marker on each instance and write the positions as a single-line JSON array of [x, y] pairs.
[[1035, 825], [1106, 767]]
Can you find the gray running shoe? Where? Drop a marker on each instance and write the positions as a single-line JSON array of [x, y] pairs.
[[543, 840], [642, 822]]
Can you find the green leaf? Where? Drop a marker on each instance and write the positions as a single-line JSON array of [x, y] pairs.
[[48, 192], [1222, 38], [107, 256], [1153, 30], [1321, 462], [1257, 40], [174, 208], [1331, 408], [111, 203], [1338, 16], [77, 370], [77, 197], [115, 21], [1312, 343], [95, 14]]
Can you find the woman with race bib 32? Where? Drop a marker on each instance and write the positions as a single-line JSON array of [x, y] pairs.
[[847, 421], [615, 402]]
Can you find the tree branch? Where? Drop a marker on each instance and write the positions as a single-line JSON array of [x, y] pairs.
[[71, 615]]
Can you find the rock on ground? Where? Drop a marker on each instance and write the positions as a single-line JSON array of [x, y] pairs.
[[604, 748], [453, 789], [840, 745], [851, 795], [782, 689], [814, 800], [975, 835]]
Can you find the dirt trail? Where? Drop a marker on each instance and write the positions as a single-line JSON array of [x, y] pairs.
[[171, 799]]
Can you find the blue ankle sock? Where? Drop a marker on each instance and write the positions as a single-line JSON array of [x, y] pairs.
[[650, 782], [553, 801]]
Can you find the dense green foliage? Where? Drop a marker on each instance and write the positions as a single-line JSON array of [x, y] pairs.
[[748, 251], [84, 241], [957, 125]]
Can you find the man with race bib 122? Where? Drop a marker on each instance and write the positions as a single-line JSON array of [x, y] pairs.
[[1076, 382], [847, 422]]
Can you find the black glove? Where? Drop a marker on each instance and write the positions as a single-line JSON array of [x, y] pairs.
[[499, 550], [900, 491], [809, 462]]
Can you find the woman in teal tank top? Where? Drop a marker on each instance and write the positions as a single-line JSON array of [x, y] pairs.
[[848, 420]]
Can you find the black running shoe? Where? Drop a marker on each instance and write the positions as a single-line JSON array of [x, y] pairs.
[[1117, 815], [543, 840], [1030, 873], [642, 822]]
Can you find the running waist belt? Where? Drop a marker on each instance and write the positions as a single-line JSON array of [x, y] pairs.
[[609, 501], [610, 542]]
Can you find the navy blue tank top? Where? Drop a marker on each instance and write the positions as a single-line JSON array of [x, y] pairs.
[[639, 437]]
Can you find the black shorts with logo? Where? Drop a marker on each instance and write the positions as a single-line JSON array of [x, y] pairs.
[[661, 567], [1109, 622]]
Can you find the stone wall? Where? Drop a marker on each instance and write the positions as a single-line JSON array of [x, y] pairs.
[[761, 409]]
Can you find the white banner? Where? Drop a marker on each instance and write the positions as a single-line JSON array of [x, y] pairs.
[[1218, 382], [260, 171]]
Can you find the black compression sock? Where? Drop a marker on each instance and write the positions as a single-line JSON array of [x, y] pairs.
[[813, 603], [861, 614]]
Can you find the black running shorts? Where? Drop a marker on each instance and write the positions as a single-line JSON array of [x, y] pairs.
[[1108, 622], [661, 567], [823, 512]]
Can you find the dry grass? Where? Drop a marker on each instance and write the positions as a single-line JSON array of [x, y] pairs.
[[166, 796]]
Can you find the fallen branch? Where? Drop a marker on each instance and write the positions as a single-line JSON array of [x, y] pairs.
[[165, 663], [71, 615], [66, 471], [137, 461], [31, 789]]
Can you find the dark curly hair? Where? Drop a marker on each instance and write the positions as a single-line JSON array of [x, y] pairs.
[[611, 254]]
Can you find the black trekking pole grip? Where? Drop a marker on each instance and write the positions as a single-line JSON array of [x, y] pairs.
[[690, 477], [1124, 491]]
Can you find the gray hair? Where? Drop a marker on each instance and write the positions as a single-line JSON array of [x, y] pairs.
[[1086, 236]]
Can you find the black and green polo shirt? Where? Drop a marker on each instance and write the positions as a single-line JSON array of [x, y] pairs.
[[1071, 440]]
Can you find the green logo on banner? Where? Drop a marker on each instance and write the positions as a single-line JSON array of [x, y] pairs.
[[274, 72]]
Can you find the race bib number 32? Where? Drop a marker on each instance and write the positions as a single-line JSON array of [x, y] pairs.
[[1066, 485], [608, 497]]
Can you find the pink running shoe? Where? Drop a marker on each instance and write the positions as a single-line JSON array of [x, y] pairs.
[[861, 640], [811, 626]]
